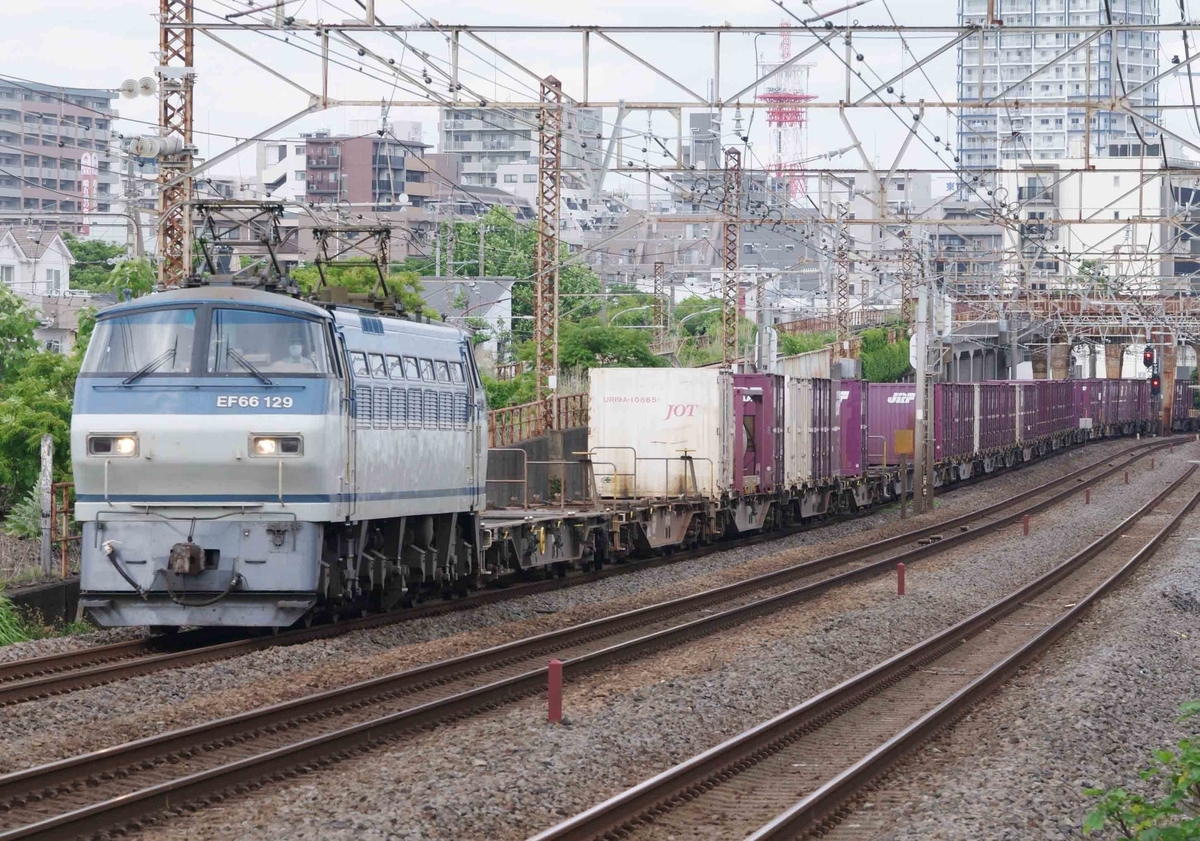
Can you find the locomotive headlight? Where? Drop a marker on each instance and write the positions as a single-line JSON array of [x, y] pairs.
[[276, 445], [120, 446]]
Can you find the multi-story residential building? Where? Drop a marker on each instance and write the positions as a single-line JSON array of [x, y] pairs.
[[1003, 67], [371, 172], [55, 152], [486, 139], [1128, 223]]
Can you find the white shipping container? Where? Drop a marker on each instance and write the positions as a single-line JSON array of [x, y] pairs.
[[657, 414], [797, 446]]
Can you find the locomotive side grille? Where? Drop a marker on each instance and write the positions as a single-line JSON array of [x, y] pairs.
[[362, 401], [399, 408], [381, 410], [414, 408], [460, 411], [431, 410], [445, 410]]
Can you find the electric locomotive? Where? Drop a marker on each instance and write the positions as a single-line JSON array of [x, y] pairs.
[[244, 458]]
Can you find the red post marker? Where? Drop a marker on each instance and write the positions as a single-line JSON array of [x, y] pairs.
[[1172, 448], [1126, 477], [1152, 463], [1025, 525], [555, 681], [1087, 497], [900, 579]]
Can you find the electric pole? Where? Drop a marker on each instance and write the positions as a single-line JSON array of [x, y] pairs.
[[918, 483]]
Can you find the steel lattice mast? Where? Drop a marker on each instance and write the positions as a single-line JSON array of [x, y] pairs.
[[175, 77], [545, 303], [731, 278]]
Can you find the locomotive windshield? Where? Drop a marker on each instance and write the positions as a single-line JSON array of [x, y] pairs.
[[160, 340], [274, 344]]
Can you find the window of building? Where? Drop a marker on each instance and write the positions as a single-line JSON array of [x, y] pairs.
[[299, 150], [53, 281], [8, 275], [298, 175], [1116, 214], [1116, 181], [530, 178], [510, 179]]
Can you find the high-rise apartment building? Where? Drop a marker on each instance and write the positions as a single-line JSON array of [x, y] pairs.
[[1003, 64], [485, 139], [55, 152]]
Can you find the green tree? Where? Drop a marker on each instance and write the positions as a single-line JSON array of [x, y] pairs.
[[1172, 816], [883, 361], [592, 345], [135, 276], [17, 324], [503, 393], [407, 285], [94, 261]]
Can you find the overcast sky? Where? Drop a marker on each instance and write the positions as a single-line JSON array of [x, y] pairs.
[[87, 44]]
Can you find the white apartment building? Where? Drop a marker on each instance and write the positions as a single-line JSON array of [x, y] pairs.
[[1128, 215], [282, 169], [1003, 64], [487, 139]]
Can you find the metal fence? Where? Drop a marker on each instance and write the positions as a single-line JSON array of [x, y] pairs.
[[520, 423]]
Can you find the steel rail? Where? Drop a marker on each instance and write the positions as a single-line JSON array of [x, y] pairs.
[[691, 779], [56, 674], [44, 783]]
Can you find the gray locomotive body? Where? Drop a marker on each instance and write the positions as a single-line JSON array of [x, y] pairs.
[[242, 458]]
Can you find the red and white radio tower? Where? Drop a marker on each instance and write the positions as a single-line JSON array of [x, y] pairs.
[[786, 94]]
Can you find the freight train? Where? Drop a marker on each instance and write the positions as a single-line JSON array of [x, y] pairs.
[[248, 459]]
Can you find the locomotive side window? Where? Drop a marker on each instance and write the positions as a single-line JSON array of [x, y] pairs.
[[427, 370], [443, 372], [410, 368], [456, 373], [157, 342], [395, 368], [378, 367], [242, 340], [358, 364]]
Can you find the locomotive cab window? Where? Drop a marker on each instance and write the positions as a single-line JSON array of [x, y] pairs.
[[147, 343], [245, 341], [410, 368], [378, 366], [395, 368], [427, 370], [358, 363], [456, 372], [443, 372]]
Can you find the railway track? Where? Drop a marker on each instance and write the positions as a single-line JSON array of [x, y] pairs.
[[798, 774], [55, 674], [136, 780]]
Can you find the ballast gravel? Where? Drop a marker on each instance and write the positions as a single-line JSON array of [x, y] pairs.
[[508, 774], [91, 719], [1085, 715]]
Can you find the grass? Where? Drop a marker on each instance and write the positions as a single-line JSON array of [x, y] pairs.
[[16, 626]]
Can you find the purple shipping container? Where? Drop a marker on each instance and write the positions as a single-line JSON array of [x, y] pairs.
[[890, 407], [954, 420], [997, 416], [1087, 402], [758, 432], [1062, 405], [1183, 410], [1026, 411], [853, 420]]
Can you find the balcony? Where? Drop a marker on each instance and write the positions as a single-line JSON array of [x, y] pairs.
[[324, 162], [1037, 194]]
